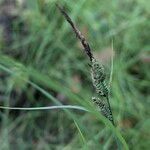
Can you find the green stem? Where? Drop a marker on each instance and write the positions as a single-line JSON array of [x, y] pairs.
[[109, 107], [116, 139]]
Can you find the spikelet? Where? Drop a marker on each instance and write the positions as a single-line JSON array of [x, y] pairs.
[[103, 108], [98, 78], [97, 71]]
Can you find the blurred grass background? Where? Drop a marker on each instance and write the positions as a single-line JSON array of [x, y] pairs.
[[42, 64]]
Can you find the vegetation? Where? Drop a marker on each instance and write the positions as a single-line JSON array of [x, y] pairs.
[[41, 64]]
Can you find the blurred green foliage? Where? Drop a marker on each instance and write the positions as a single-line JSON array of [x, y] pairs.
[[45, 51]]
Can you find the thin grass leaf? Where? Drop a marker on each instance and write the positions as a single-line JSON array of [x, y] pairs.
[[44, 108], [81, 134]]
